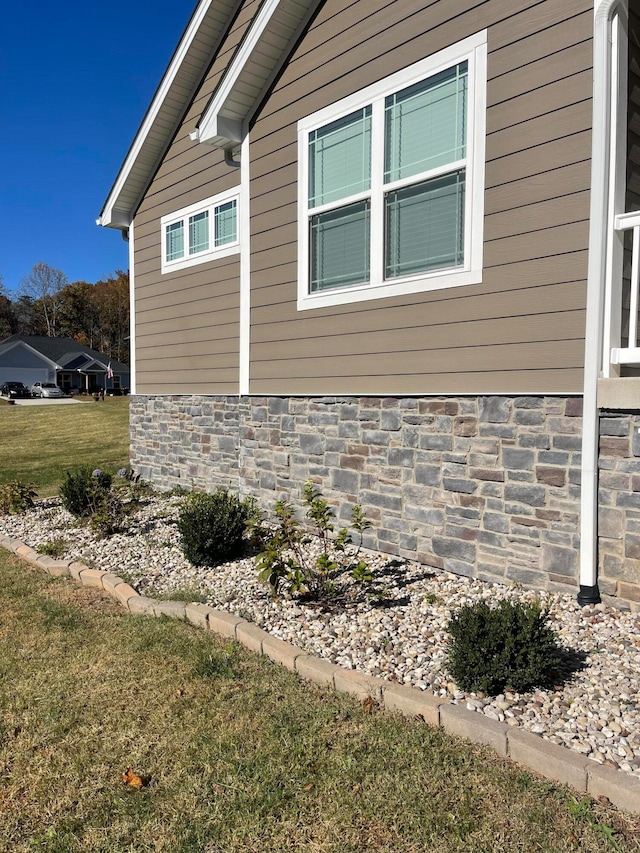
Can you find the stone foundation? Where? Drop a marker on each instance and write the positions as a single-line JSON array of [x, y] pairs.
[[486, 487], [619, 506]]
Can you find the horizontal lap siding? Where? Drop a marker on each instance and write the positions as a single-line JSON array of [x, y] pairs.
[[522, 328], [187, 322]]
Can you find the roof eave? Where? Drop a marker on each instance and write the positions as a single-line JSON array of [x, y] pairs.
[[266, 46], [199, 43]]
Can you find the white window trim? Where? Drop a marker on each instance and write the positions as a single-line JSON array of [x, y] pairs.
[[213, 252], [474, 51]]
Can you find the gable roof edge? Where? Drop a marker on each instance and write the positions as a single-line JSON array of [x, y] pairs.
[[266, 47], [199, 44], [9, 345]]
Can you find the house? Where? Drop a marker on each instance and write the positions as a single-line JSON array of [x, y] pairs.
[[390, 246], [37, 358]]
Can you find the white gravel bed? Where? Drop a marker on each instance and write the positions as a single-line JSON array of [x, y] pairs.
[[597, 712]]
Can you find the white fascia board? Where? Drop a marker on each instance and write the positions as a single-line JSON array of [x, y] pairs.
[[114, 215]]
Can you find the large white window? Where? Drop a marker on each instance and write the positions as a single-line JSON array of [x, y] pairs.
[[201, 232], [391, 183]]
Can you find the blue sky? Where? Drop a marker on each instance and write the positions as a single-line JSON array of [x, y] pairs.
[[75, 81]]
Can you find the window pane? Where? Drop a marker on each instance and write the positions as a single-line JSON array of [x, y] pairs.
[[175, 241], [424, 226], [199, 232], [340, 158], [340, 247], [226, 227], [425, 124]]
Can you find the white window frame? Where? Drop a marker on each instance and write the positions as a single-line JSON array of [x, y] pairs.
[[213, 252], [474, 51]]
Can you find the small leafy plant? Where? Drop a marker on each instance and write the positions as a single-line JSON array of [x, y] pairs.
[[109, 514], [212, 527], [507, 646], [290, 565], [16, 497], [127, 480], [83, 490], [53, 548]]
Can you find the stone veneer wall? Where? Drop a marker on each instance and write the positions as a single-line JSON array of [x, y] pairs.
[[619, 511], [480, 486]]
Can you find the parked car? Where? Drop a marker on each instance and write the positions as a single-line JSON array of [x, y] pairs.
[[46, 389], [14, 390]]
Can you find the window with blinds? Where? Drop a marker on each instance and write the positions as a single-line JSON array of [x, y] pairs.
[[200, 232], [391, 197]]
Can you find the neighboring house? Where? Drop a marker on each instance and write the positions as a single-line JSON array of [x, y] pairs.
[[37, 358], [385, 245]]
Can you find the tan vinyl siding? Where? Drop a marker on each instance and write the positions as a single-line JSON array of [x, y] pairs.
[[187, 321], [522, 329]]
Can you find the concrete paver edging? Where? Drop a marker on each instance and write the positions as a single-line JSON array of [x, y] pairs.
[[525, 748]]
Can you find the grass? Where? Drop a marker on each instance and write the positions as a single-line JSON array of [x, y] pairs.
[[40, 443], [239, 755]]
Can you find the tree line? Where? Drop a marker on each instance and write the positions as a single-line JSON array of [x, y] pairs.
[[96, 315]]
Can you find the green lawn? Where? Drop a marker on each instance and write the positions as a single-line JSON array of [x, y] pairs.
[[239, 755], [39, 443]]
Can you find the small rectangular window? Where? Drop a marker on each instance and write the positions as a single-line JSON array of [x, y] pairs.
[[226, 219], [201, 232], [175, 241]]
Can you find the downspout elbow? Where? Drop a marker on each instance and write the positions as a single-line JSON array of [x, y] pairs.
[[228, 159]]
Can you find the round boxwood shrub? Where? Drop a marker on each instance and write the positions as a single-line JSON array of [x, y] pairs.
[[506, 646], [212, 527]]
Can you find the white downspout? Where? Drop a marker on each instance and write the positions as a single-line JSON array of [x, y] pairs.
[[245, 268], [596, 280]]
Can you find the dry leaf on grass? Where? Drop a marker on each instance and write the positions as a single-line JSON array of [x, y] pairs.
[[370, 705], [135, 781]]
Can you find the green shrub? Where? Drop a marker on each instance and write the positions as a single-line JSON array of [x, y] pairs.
[[507, 646], [16, 497], [83, 490], [212, 527], [289, 565]]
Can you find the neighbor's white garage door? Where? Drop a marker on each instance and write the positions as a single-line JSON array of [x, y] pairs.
[[26, 375]]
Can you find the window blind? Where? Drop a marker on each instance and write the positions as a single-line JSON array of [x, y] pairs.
[[340, 158]]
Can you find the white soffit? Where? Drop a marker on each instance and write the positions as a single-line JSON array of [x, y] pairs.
[[188, 65], [254, 67]]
